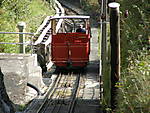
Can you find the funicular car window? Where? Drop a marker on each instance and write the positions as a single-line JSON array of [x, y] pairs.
[[74, 26]]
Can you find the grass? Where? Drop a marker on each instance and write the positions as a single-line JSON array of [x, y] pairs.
[[38, 11], [31, 12]]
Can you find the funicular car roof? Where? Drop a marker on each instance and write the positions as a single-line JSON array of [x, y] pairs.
[[71, 17]]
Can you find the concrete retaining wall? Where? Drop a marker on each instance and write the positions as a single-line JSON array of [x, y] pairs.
[[18, 69]]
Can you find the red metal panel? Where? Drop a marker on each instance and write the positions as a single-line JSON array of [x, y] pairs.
[[70, 47], [59, 48], [79, 52], [59, 52]]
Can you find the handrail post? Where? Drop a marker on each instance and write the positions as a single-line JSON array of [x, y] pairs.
[[115, 49], [21, 26]]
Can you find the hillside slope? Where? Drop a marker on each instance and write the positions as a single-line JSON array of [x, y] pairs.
[[32, 12]]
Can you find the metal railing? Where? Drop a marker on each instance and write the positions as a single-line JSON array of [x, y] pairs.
[[21, 43], [16, 33]]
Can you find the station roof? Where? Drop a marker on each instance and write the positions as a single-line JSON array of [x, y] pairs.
[[71, 17]]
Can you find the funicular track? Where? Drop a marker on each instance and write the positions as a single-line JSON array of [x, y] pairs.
[[69, 88], [61, 96]]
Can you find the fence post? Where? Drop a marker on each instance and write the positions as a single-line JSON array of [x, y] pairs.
[[21, 26], [115, 48]]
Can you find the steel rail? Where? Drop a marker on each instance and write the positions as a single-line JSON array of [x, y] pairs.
[[72, 104], [82, 81], [72, 98], [60, 96], [50, 92]]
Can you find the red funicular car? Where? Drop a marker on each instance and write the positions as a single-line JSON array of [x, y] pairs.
[[71, 44]]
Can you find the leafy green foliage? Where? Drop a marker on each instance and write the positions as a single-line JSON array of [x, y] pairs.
[[32, 12], [134, 95], [17, 9], [92, 7]]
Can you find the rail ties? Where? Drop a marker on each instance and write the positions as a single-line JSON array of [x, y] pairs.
[[61, 96]]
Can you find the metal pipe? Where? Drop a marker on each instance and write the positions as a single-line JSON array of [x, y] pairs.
[[16, 43], [17, 33], [35, 88]]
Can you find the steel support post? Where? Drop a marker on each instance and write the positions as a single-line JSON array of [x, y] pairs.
[[21, 26]]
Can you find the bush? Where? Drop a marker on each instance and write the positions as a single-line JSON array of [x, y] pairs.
[[92, 7], [133, 96]]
